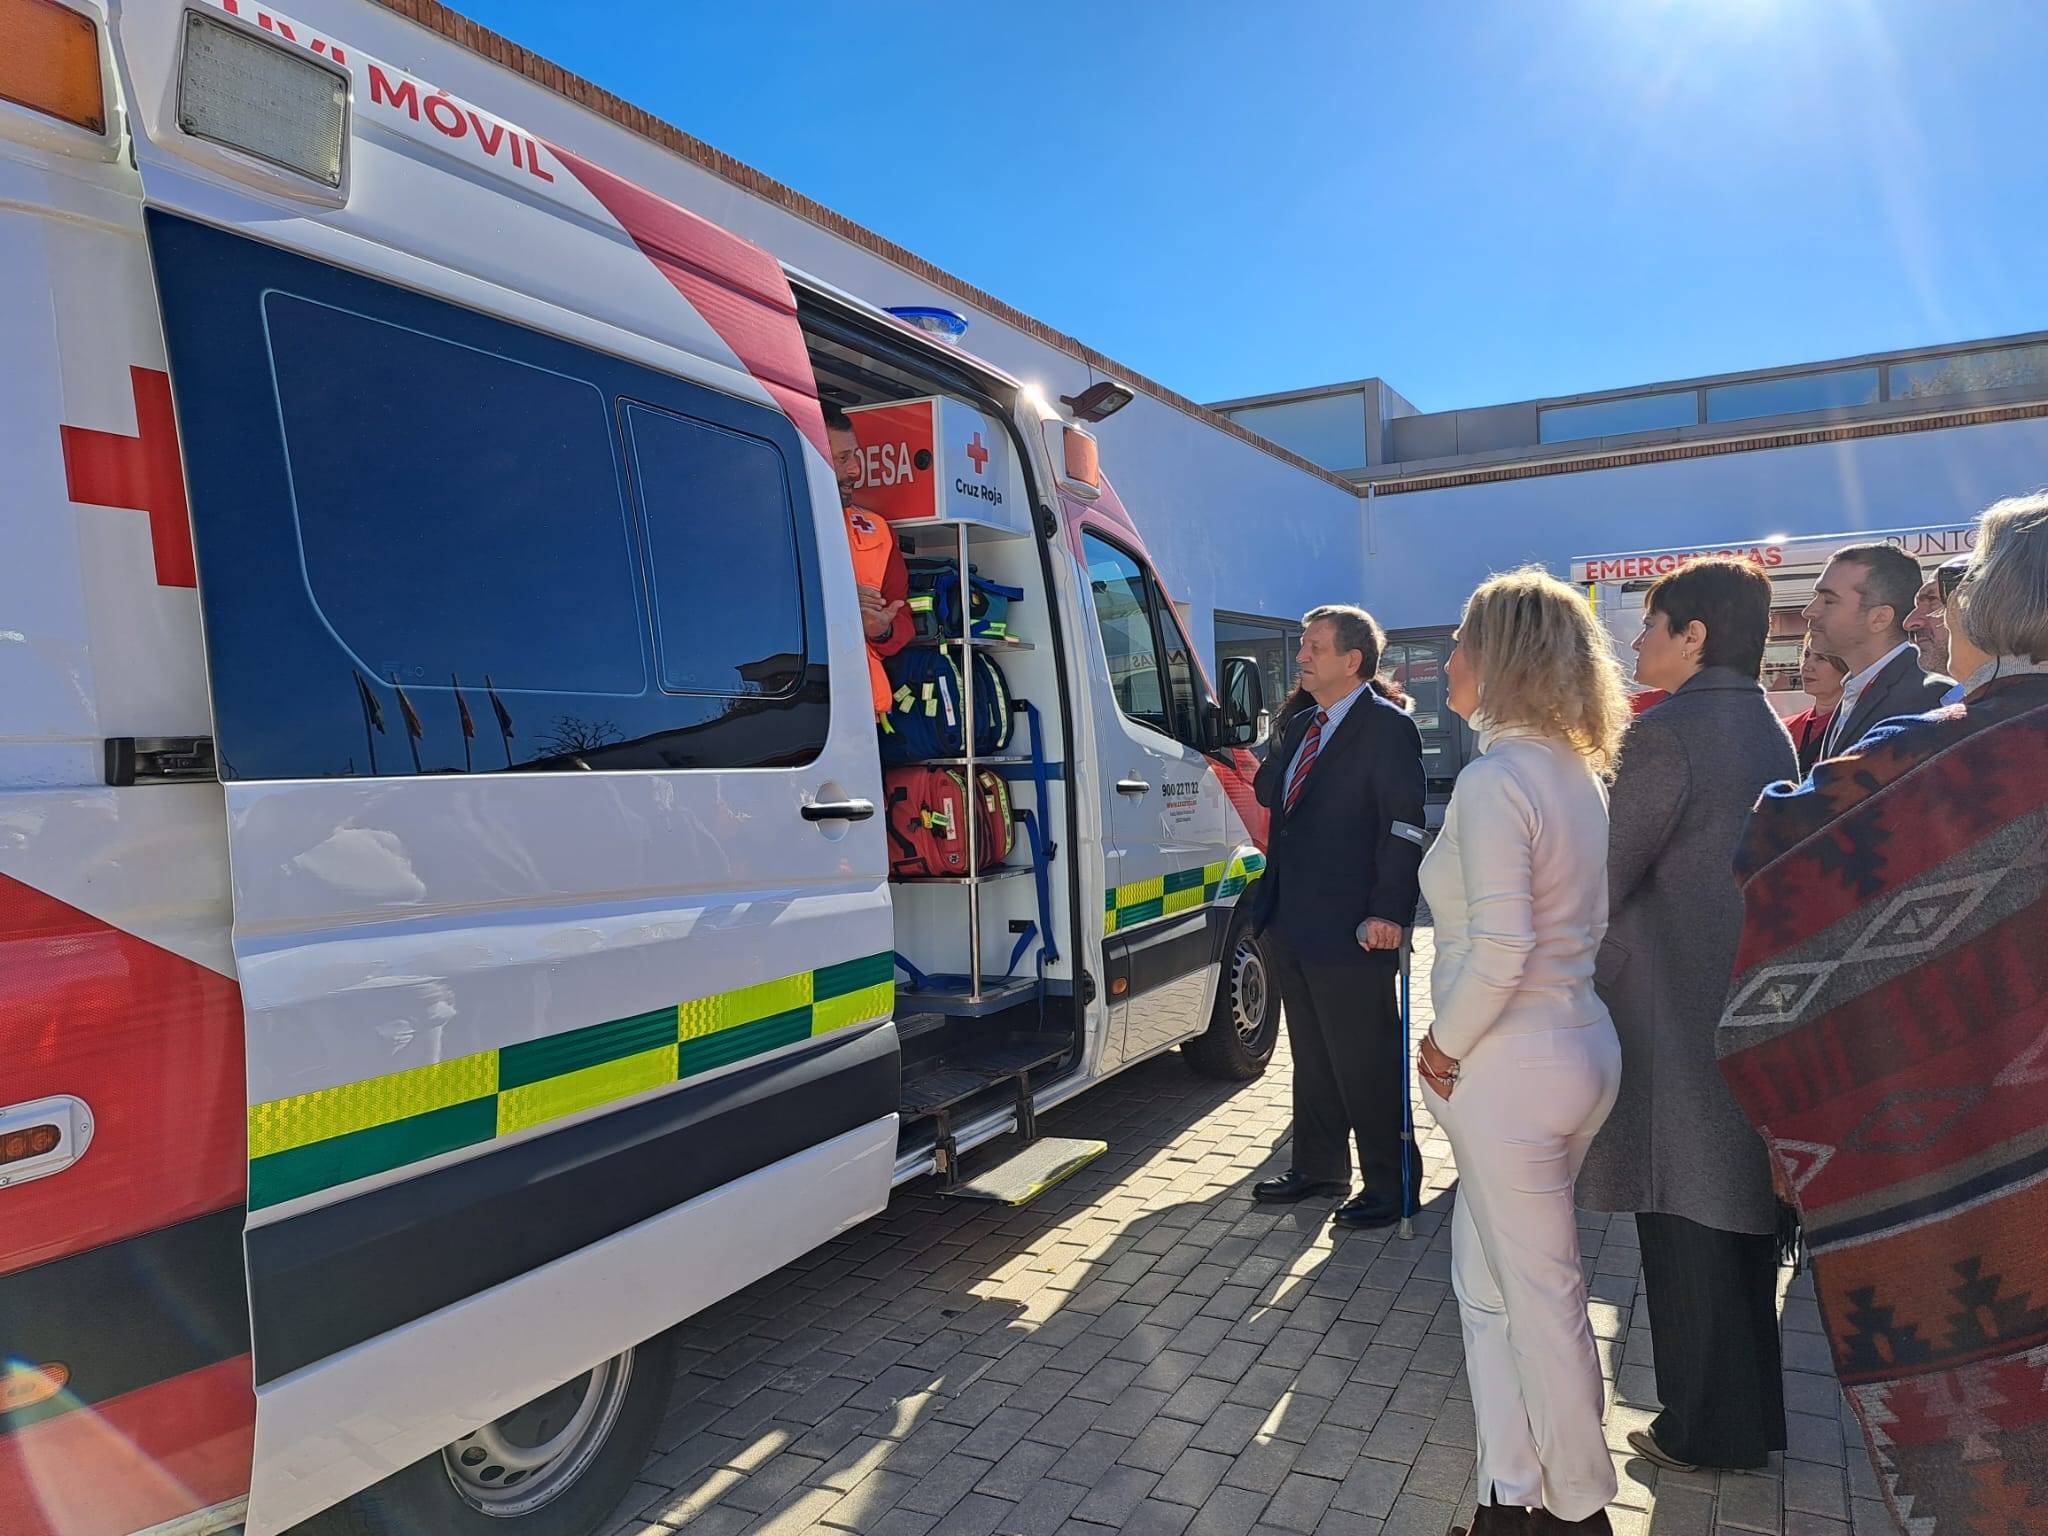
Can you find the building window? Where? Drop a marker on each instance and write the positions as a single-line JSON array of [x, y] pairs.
[[1971, 373], [1618, 418], [1793, 395], [1272, 643], [1325, 429]]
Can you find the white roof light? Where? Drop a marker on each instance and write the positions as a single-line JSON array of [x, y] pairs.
[[267, 99]]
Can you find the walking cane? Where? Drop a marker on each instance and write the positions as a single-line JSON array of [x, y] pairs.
[[1407, 1227]]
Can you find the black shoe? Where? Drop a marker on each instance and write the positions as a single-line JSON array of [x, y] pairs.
[[1365, 1213], [1495, 1520], [1292, 1186]]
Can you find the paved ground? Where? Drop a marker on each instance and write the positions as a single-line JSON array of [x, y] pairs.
[[1145, 1350]]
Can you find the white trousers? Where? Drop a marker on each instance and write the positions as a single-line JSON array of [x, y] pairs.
[[1525, 1108]]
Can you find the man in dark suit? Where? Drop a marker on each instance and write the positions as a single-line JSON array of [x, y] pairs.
[[1344, 783], [1859, 611]]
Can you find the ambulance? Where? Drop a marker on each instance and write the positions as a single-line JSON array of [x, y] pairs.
[[447, 933], [1615, 584]]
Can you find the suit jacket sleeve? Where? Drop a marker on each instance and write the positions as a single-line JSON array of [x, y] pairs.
[[1398, 791], [1266, 782], [1643, 807]]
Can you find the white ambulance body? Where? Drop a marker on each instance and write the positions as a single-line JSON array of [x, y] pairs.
[[1615, 584], [447, 922]]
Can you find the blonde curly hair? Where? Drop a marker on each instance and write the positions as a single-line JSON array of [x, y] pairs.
[[1541, 660]]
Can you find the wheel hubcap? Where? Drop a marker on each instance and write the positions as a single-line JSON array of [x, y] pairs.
[[515, 1464], [1248, 992]]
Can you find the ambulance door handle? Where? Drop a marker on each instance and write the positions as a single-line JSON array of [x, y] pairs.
[[838, 810], [1132, 787]]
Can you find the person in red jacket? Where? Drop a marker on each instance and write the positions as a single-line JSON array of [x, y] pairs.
[[1822, 676], [878, 568]]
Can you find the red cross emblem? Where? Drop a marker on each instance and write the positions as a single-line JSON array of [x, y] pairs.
[[978, 453], [861, 523], [143, 472]]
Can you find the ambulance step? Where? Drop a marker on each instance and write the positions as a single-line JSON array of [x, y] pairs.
[[909, 1026], [1025, 1175], [949, 995], [956, 1078]]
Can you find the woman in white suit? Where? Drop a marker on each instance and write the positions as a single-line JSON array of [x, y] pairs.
[[1522, 1063]]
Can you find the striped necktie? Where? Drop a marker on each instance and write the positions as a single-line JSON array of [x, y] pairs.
[[1311, 744]]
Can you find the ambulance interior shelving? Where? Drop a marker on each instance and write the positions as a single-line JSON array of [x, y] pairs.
[[986, 1010]]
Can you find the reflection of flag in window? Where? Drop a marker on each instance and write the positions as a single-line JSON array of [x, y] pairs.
[[413, 729], [412, 716], [468, 725], [504, 716], [372, 710]]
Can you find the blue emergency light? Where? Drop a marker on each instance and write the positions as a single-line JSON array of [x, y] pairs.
[[942, 323]]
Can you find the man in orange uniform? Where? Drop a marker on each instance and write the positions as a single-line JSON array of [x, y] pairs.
[[878, 568]]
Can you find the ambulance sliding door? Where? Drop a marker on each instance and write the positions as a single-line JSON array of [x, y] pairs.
[[560, 907]]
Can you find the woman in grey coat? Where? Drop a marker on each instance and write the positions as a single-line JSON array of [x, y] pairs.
[[1676, 1151]]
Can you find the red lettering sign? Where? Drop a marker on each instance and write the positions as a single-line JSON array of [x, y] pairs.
[[405, 96]]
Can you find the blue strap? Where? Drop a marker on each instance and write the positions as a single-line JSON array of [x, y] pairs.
[[1017, 951], [919, 982]]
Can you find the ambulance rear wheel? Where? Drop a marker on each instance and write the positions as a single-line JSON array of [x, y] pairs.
[[556, 1466], [1245, 1025]]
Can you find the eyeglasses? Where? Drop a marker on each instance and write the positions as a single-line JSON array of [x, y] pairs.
[[1950, 576]]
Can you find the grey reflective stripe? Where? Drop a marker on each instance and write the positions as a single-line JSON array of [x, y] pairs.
[[1413, 833]]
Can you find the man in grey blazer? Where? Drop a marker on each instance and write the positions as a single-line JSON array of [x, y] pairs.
[[1859, 612]]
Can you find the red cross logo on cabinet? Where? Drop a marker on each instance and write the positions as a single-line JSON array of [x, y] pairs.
[[143, 472], [977, 452]]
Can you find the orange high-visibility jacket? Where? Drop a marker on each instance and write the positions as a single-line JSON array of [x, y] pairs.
[[878, 563]]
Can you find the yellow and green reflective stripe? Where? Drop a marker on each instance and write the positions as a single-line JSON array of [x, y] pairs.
[[313, 1141], [1184, 890]]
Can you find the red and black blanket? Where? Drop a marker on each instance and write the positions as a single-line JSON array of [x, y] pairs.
[[1887, 1031]]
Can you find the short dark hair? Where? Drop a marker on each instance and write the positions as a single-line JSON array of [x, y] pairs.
[[1891, 577], [1731, 597], [836, 420]]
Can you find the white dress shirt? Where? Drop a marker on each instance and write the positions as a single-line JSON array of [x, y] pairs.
[[1335, 714], [1517, 883], [1852, 694]]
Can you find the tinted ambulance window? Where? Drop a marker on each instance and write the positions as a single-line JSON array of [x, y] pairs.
[[419, 551], [468, 523], [721, 544], [1123, 612], [1183, 693]]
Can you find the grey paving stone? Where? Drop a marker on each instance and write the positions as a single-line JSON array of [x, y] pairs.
[[1160, 1445], [1263, 1465], [1300, 1503], [1115, 1495], [1371, 1487], [1044, 1512], [1416, 1516]]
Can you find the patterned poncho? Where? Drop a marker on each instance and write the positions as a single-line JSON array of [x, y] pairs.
[[1887, 1031]]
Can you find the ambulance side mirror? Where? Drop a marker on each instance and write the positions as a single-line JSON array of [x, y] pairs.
[[1244, 701]]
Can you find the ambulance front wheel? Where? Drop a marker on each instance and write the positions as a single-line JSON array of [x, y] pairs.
[[557, 1466], [1245, 1024]]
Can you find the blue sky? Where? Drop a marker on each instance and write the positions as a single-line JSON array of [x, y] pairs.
[[1477, 202]]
